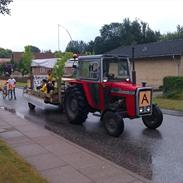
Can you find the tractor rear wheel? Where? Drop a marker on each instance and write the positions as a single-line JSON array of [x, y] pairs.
[[155, 120], [113, 123], [75, 105]]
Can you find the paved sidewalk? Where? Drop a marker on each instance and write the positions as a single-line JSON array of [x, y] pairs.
[[57, 159]]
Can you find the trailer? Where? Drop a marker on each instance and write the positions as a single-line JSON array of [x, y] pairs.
[[39, 70]]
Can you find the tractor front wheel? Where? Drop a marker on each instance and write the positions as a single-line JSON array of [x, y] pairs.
[[75, 105], [155, 120], [113, 123]]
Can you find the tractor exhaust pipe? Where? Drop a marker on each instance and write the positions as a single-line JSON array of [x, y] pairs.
[[133, 68]]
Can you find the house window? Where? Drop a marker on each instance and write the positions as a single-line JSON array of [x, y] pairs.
[[42, 70]]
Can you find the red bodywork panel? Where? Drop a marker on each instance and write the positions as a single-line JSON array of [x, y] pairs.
[[121, 89]]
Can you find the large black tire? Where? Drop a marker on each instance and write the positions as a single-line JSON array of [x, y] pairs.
[[113, 123], [31, 106], [75, 105], [155, 120]]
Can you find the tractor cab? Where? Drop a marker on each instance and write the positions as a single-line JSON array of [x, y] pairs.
[[104, 68]]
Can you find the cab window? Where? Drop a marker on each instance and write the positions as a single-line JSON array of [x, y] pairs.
[[89, 70], [114, 69]]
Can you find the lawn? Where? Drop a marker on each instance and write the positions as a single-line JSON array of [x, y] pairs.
[[20, 84], [169, 103], [13, 169]]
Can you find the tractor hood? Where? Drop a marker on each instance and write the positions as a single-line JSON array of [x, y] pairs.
[[124, 87]]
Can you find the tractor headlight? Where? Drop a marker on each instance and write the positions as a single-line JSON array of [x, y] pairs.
[[148, 108], [141, 110], [144, 110]]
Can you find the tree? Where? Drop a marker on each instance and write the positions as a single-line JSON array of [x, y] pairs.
[[5, 68], [34, 49], [58, 69], [5, 53], [4, 6], [1, 69], [110, 37], [122, 34], [25, 63], [174, 35], [138, 32], [76, 47], [90, 47]]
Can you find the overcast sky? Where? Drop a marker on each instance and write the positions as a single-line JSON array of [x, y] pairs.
[[35, 22]]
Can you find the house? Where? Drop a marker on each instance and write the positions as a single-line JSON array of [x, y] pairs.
[[5, 60], [17, 56], [154, 61], [40, 68]]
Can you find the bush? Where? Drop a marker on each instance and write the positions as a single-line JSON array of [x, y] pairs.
[[173, 87]]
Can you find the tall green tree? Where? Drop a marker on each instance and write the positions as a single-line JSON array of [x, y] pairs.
[[34, 49], [5, 53], [2, 69], [110, 38], [58, 69], [178, 34], [25, 63], [127, 32], [4, 6], [137, 31], [122, 34], [76, 47]]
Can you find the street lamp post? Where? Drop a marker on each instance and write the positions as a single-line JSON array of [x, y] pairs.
[[59, 35], [58, 38]]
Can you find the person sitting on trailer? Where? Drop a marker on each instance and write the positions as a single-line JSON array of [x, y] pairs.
[[44, 86], [51, 82], [50, 86], [50, 75]]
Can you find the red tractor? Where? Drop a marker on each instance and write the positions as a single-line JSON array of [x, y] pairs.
[[103, 84]]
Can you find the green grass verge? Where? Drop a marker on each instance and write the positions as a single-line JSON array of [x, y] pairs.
[[13, 169], [20, 84], [169, 103]]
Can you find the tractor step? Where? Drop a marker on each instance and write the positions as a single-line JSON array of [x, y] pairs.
[[97, 114]]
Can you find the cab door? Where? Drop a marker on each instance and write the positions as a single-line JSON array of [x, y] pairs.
[[90, 75]]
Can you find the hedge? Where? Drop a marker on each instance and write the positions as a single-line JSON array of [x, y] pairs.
[[18, 79], [173, 87]]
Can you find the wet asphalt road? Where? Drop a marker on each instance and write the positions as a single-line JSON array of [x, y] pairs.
[[154, 154]]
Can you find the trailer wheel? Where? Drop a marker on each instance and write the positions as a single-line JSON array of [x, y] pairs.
[[113, 123], [75, 105], [31, 106], [155, 120]]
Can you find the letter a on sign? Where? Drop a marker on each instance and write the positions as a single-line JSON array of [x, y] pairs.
[[144, 98]]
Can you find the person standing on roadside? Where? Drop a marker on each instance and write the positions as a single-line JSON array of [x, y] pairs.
[[11, 87]]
